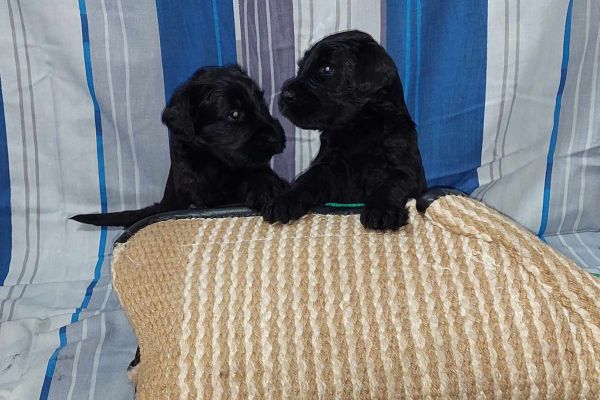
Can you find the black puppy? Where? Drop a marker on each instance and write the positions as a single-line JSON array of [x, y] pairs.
[[223, 137], [348, 88]]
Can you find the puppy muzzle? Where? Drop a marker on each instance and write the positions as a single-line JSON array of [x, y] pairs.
[[272, 137]]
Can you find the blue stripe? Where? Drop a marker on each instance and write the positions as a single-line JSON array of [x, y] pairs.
[[407, 54], [217, 32], [446, 58], [394, 42], [554, 135], [418, 61], [5, 210], [194, 34], [62, 333]]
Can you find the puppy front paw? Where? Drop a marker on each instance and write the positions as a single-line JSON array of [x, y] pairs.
[[277, 187], [285, 208], [383, 217], [262, 193], [256, 199]]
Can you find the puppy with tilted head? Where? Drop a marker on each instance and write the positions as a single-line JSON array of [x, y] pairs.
[[223, 138], [348, 88]]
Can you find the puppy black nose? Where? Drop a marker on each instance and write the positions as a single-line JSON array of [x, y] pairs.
[[272, 141], [288, 95]]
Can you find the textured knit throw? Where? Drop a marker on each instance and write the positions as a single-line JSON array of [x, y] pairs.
[[461, 303]]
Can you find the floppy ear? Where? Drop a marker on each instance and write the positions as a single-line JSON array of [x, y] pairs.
[[181, 110], [378, 78], [374, 67]]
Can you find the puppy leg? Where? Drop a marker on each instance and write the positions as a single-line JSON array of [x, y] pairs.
[[385, 208], [261, 186], [310, 189], [382, 216]]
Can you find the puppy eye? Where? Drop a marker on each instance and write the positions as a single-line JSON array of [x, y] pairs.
[[235, 115], [327, 69]]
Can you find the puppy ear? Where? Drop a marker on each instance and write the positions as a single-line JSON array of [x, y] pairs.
[[378, 78], [374, 67], [182, 108]]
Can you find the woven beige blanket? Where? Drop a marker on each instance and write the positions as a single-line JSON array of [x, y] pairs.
[[461, 303]]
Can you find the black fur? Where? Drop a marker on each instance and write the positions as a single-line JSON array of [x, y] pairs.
[[348, 88], [217, 157], [223, 138]]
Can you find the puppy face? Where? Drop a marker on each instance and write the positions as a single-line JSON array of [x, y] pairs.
[[337, 78], [223, 110]]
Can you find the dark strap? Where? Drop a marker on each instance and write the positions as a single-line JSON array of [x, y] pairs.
[[433, 194], [237, 210]]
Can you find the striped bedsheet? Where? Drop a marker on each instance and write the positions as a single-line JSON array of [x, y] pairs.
[[504, 94]]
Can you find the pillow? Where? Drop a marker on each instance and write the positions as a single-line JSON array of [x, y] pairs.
[[459, 303]]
